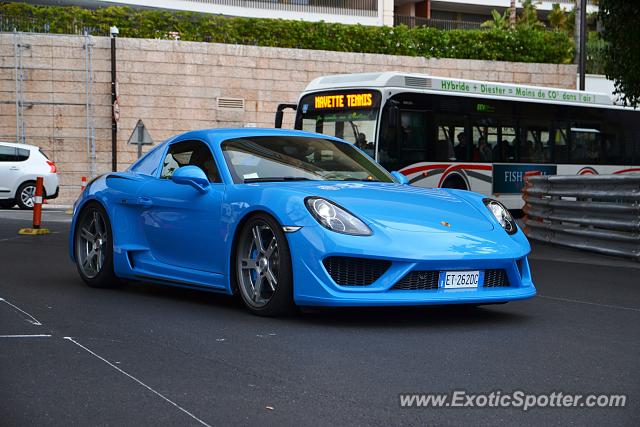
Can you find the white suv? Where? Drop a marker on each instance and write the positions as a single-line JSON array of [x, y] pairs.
[[20, 165]]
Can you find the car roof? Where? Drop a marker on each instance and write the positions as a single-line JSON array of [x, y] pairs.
[[19, 145], [218, 135]]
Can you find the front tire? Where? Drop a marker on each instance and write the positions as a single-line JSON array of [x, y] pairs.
[[93, 240], [25, 196], [262, 266]]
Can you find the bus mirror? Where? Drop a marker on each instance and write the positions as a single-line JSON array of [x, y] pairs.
[[394, 116], [279, 116], [280, 113]]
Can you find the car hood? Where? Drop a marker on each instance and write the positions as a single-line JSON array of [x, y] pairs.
[[402, 207]]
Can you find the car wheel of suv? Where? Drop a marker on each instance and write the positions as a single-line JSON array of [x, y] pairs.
[[26, 194], [263, 267], [94, 247], [7, 204]]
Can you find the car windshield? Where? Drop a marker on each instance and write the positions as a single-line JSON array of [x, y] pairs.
[[297, 158]]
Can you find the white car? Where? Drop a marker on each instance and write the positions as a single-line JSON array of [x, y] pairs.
[[20, 165]]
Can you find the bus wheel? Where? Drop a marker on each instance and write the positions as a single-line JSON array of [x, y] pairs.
[[456, 182]]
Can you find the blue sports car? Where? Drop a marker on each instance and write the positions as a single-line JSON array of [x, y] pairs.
[[287, 218]]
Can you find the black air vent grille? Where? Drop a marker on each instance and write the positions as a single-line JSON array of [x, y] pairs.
[[348, 271], [495, 278], [418, 281]]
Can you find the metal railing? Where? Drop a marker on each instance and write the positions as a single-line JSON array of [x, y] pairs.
[[32, 25], [597, 213], [441, 24], [334, 7]]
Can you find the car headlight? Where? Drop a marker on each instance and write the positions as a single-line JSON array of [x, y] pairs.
[[502, 215], [335, 218]]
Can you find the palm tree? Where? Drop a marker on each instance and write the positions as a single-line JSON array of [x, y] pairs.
[[500, 22], [512, 14]]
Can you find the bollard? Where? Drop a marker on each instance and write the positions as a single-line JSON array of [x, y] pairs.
[[37, 212], [83, 180]]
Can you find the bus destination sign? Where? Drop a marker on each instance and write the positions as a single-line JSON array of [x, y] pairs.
[[527, 92], [343, 100]]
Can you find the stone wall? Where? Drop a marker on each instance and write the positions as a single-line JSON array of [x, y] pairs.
[[173, 86]]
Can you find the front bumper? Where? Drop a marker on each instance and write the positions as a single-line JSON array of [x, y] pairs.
[[313, 285]]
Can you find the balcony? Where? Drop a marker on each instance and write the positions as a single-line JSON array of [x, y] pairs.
[[441, 24]]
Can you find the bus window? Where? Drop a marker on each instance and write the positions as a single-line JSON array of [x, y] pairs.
[[452, 140], [409, 145], [560, 144], [585, 146], [485, 139], [504, 150], [535, 146]]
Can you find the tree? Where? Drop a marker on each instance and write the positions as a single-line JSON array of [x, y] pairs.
[[558, 18], [528, 19], [499, 22], [621, 21]]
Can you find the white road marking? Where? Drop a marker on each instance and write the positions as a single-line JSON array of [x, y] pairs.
[[29, 318], [160, 395], [619, 307], [26, 336]]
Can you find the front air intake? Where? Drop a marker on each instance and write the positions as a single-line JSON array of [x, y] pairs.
[[349, 271]]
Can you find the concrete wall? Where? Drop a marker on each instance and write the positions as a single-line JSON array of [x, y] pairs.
[[173, 86]]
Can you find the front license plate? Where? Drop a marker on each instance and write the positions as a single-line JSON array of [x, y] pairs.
[[459, 279]]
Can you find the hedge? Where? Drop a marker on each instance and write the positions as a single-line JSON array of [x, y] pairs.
[[521, 45]]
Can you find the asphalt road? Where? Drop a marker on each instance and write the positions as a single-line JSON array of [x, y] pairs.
[[152, 355]]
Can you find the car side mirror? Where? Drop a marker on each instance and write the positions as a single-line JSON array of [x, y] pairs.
[[193, 176], [400, 178]]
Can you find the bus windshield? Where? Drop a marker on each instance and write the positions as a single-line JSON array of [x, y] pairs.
[[347, 115]]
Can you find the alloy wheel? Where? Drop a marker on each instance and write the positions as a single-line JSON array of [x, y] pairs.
[[258, 263], [91, 244]]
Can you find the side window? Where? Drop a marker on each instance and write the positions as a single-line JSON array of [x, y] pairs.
[[585, 146], [22, 155], [7, 154], [190, 153], [452, 140], [149, 163]]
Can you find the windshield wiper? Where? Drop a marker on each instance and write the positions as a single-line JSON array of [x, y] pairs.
[[360, 179], [276, 179]]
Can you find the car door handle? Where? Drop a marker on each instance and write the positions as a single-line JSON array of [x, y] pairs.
[[145, 201]]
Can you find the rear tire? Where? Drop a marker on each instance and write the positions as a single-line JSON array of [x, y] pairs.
[[456, 182], [93, 247], [26, 194], [262, 267]]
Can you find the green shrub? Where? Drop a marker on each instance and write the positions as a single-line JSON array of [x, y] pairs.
[[521, 44]]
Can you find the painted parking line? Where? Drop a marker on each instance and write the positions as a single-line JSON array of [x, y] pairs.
[[26, 336], [597, 304], [29, 318], [160, 395]]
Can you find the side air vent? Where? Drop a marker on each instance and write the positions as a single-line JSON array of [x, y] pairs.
[[231, 103], [419, 82], [495, 278], [349, 271]]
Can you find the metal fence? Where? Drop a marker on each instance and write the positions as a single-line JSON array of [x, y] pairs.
[[334, 7], [597, 213], [441, 24], [32, 25]]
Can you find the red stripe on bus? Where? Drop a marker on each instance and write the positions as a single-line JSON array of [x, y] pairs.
[[457, 167], [423, 168], [627, 170]]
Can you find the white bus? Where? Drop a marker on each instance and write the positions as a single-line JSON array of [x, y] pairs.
[[474, 135]]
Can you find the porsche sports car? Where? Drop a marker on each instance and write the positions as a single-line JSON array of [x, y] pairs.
[[289, 218]]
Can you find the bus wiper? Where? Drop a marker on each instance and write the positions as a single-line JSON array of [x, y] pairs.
[[276, 179]]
